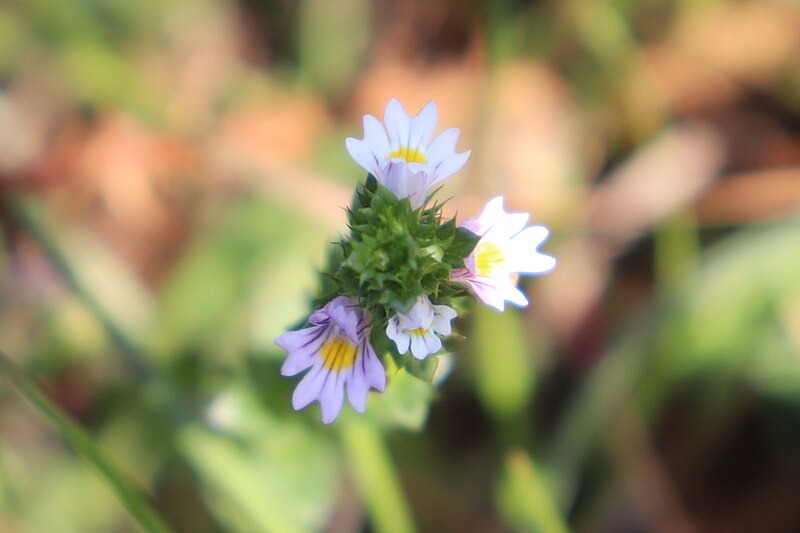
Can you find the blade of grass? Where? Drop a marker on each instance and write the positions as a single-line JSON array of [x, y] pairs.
[[29, 215], [376, 478], [528, 500], [129, 495], [677, 246]]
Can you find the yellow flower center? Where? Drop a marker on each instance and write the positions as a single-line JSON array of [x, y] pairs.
[[419, 332], [488, 257], [411, 155], [338, 354]]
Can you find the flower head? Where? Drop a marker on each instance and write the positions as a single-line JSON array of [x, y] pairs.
[[419, 328], [506, 248], [406, 161], [337, 350]]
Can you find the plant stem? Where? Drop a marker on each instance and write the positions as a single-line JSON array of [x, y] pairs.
[[533, 500], [376, 478]]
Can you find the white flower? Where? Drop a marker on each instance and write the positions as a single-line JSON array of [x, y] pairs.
[[504, 250], [419, 328], [406, 161], [336, 348]]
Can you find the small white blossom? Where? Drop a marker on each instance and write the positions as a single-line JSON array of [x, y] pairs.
[[418, 329], [506, 248], [402, 156]]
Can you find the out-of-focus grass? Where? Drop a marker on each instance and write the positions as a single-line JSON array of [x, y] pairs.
[[171, 174]]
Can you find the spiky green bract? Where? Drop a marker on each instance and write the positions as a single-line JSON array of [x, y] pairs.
[[393, 255]]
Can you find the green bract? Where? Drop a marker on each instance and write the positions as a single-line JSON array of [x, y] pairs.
[[395, 254]]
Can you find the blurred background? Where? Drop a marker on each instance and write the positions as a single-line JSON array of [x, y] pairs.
[[172, 172]]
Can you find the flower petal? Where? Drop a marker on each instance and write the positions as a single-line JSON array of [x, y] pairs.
[[375, 137], [357, 385], [399, 178], [419, 316], [397, 334], [449, 166], [432, 343], [302, 346], [332, 396], [505, 226], [524, 257], [373, 368], [418, 347], [512, 294], [472, 225], [398, 124], [492, 212], [443, 146], [422, 127], [392, 330], [442, 317], [344, 315], [310, 387], [363, 154], [487, 290]]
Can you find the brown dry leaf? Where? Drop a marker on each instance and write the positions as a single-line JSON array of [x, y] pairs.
[[531, 151], [681, 83], [656, 181], [277, 126], [566, 296], [196, 63], [31, 110], [125, 168], [743, 198], [751, 42], [261, 146]]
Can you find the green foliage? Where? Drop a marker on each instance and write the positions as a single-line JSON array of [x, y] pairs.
[[715, 335], [394, 253], [406, 401], [525, 497], [504, 368], [260, 472], [84, 446], [719, 335]]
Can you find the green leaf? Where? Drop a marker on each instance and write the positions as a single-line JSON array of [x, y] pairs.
[[463, 243], [504, 368], [422, 370], [262, 473], [723, 326], [404, 403]]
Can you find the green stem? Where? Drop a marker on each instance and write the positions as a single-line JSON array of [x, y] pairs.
[[532, 501], [677, 248], [130, 496], [376, 478]]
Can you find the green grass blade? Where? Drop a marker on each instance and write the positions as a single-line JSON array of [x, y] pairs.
[[526, 498], [130, 496], [377, 478]]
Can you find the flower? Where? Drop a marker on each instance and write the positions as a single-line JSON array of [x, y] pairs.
[[337, 350], [504, 250], [418, 328], [406, 162]]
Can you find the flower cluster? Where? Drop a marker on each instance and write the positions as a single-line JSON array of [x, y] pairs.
[[390, 284]]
